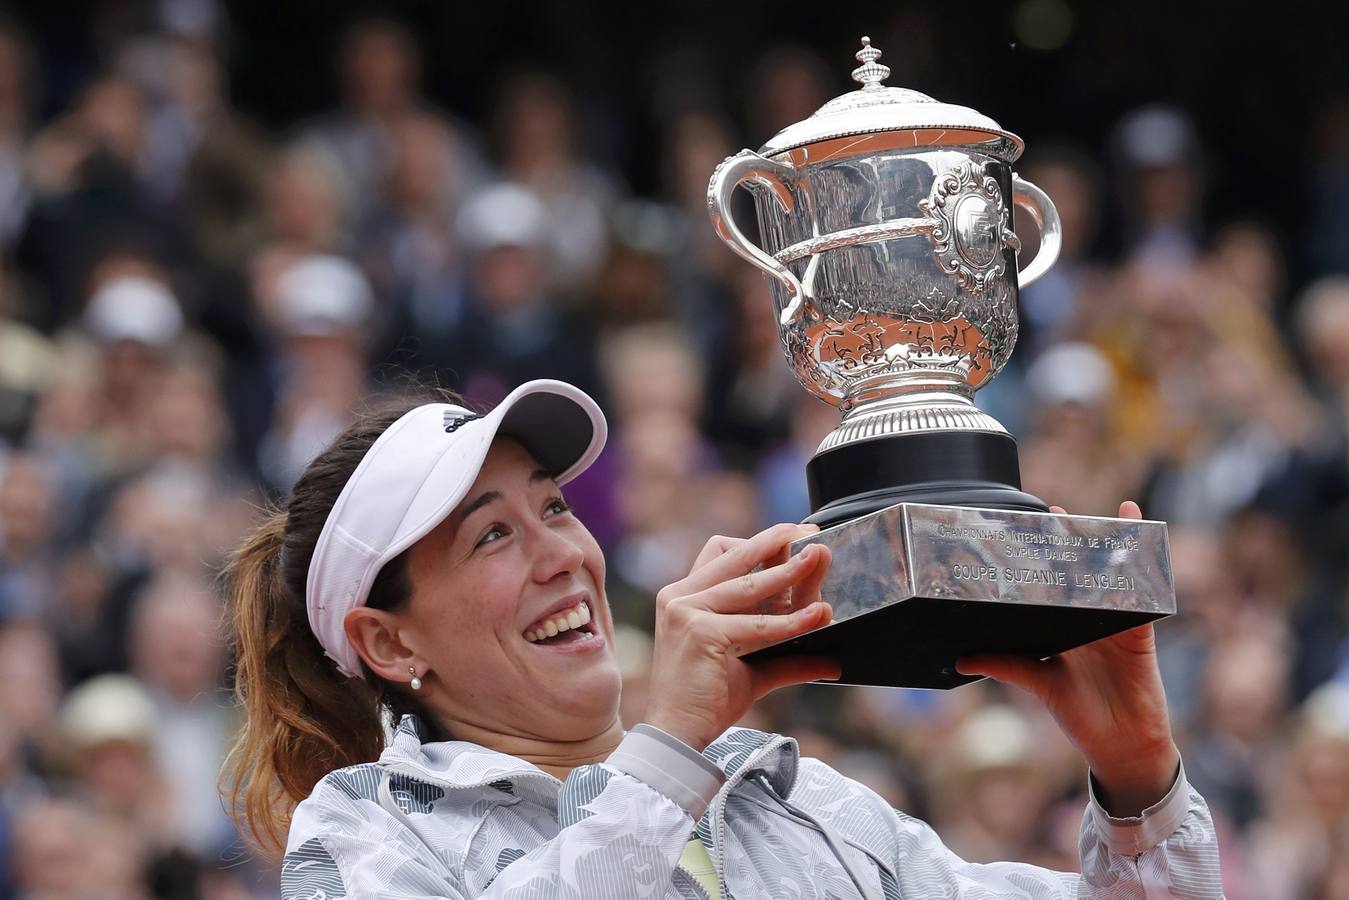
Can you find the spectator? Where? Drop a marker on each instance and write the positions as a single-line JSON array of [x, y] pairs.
[[1000, 794], [520, 329], [305, 209], [108, 724], [1299, 845], [321, 314], [1245, 698], [27, 514], [63, 849], [1162, 185], [410, 249], [178, 653], [539, 150], [379, 73]]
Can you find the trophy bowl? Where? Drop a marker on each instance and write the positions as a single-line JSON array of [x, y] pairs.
[[886, 222]]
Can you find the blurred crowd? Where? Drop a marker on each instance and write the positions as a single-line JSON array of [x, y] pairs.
[[192, 305]]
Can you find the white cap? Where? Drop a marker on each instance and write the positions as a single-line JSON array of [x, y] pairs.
[[134, 308], [503, 215], [1071, 372], [1326, 710], [1156, 136], [995, 737], [416, 473], [108, 708], [321, 295]]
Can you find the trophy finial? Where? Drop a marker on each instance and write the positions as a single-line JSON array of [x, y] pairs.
[[870, 73]]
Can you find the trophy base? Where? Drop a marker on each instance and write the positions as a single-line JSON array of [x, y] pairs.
[[915, 643], [951, 468], [915, 587]]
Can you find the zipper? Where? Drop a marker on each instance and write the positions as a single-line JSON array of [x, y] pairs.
[[801, 817], [697, 886], [719, 808]]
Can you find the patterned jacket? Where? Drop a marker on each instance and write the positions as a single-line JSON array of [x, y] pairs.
[[452, 819]]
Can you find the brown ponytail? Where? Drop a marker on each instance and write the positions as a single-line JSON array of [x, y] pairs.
[[302, 718]]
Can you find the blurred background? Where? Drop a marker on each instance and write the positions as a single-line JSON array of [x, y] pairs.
[[223, 227]]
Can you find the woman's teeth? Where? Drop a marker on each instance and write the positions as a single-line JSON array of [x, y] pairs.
[[565, 621]]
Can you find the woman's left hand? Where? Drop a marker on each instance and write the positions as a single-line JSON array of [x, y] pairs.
[[1107, 697]]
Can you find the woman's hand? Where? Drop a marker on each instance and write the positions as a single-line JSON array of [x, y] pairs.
[[1107, 697], [704, 623]]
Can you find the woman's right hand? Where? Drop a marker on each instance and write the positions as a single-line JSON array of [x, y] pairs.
[[707, 621]]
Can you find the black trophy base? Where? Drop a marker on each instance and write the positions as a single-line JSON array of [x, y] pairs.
[[915, 643], [949, 468]]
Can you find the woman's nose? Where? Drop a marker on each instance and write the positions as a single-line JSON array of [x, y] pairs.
[[556, 553]]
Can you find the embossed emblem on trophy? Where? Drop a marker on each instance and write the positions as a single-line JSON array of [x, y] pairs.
[[886, 228]]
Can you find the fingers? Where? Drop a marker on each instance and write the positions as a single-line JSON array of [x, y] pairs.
[[781, 602], [749, 591], [1138, 640], [747, 633], [768, 676], [1031, 675], [744, 556], [808, 591], [715, 546], [800, 595], [1127, 510]]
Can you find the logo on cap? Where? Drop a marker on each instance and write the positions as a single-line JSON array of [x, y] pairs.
[[455, 418]]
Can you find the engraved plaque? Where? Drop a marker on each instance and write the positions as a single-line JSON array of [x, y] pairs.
[[915, 587], [1018, 557], [977, 234]]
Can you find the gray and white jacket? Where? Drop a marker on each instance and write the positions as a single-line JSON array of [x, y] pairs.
[[453, 819]]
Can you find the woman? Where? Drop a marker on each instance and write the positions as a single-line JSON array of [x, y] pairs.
[[427, 569]]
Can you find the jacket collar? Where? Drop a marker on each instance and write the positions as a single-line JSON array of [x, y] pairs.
[[742, 751], [459, 764]]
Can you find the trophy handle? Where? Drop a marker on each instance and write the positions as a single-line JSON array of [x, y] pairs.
[[748, 166], [1041, 209]]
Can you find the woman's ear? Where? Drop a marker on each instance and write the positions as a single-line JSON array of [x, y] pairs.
[[374, 634]]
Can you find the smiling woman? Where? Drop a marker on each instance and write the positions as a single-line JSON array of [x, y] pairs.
[[495, 589], [428, 572]]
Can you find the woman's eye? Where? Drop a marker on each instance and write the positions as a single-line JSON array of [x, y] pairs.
[[491, 534], [556, 506]]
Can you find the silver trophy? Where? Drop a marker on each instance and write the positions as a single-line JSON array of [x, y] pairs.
[[886, 226]]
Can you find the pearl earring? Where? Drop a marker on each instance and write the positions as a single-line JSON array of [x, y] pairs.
[[415, 682]]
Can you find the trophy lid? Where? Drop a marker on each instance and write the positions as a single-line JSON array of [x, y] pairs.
[[897, 116]]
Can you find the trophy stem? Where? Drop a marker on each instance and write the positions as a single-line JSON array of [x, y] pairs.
[[891, 403], [894, 389], [952, 468]]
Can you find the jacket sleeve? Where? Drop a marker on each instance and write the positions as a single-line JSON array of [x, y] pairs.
[[1171, 851], [624, 825]]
